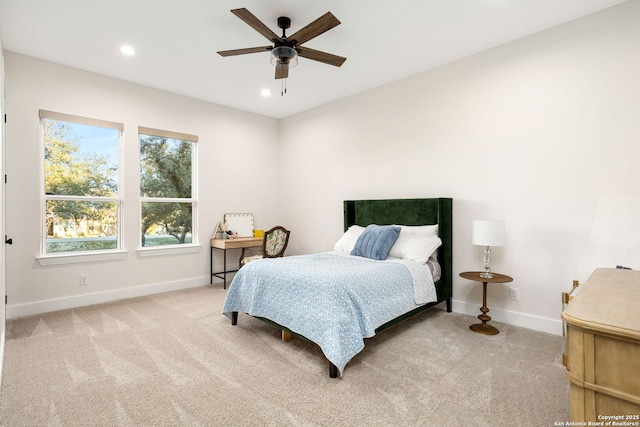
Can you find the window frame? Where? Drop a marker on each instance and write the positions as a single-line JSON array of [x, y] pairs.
[[178, 248], [85, 256]]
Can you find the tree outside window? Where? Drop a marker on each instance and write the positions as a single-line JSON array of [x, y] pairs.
[[166, 189], [81, 204]]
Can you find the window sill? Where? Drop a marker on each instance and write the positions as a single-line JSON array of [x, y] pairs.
[[79, 258], [168, 250]]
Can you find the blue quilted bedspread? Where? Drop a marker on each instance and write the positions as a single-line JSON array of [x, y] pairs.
[[335, 300]]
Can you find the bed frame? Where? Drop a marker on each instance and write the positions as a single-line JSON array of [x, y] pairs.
[[403, 212]]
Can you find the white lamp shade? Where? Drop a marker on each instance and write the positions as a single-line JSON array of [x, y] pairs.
[[488, 232]]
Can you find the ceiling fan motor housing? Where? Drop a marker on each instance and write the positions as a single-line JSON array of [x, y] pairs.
[[284, 51], [284, 22]]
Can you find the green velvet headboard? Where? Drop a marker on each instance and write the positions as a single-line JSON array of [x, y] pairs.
[[411, 212]]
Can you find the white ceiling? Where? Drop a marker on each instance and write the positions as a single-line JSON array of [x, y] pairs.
[[177, 41]]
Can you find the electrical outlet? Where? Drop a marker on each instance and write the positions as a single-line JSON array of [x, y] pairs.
[[514, 294], [84, 279]]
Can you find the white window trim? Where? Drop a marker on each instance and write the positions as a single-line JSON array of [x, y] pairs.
[[81, 257], [168, 250], [167, 134], [114, 255], [61, 117], [195, 245]]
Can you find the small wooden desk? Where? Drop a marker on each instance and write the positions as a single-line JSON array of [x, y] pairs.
[[483, 328], [223, 245]]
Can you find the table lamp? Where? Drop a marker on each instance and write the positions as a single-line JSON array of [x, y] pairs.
[[487, 233]]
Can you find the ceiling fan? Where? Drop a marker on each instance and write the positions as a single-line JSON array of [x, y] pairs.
[[285, 50]]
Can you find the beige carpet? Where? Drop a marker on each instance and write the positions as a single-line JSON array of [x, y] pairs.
[[173, 359]]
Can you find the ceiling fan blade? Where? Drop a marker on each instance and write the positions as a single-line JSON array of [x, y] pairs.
[[320, 56], [282, 71], [255, 23], [317, 27], [233, 52]]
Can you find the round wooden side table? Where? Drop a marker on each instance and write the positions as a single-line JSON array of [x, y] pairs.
[[483, 328]]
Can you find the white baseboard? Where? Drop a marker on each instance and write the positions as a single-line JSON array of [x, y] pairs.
[[551, 326], [20, 310]]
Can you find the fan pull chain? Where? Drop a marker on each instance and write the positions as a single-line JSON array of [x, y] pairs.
[[283, 89]]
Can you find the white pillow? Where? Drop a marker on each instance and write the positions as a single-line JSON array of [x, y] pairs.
[[423, 230], [415, 247], [348, 240]]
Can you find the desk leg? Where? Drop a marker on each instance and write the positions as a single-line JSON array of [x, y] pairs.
[[224, 269], [483, 328], [221, 274]]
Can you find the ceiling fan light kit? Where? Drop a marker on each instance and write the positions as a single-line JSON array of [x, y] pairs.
[[285, 50], [284, 55]]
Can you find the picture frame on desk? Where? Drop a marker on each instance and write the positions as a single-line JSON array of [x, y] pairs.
[[217, 232]]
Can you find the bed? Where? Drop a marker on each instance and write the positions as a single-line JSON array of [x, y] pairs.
[[307, 295]]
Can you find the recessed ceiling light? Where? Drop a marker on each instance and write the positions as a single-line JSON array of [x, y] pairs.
[[265, 92], [127, 50]]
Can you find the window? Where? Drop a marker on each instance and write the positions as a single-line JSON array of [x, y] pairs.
[[81, 203], [167, 194]]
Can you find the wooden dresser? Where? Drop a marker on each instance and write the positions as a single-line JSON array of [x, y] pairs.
[[603, 347]]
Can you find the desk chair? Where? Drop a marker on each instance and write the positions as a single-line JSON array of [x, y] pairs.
[[274, 244]]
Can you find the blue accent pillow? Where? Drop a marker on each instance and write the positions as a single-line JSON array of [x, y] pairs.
[[376, 241]]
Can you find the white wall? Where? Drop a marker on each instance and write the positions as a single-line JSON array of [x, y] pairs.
[[542, 133], [2, 204], [232, 177]]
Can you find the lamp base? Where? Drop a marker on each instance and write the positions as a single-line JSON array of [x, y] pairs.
[[484, 329], [487, 274]]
